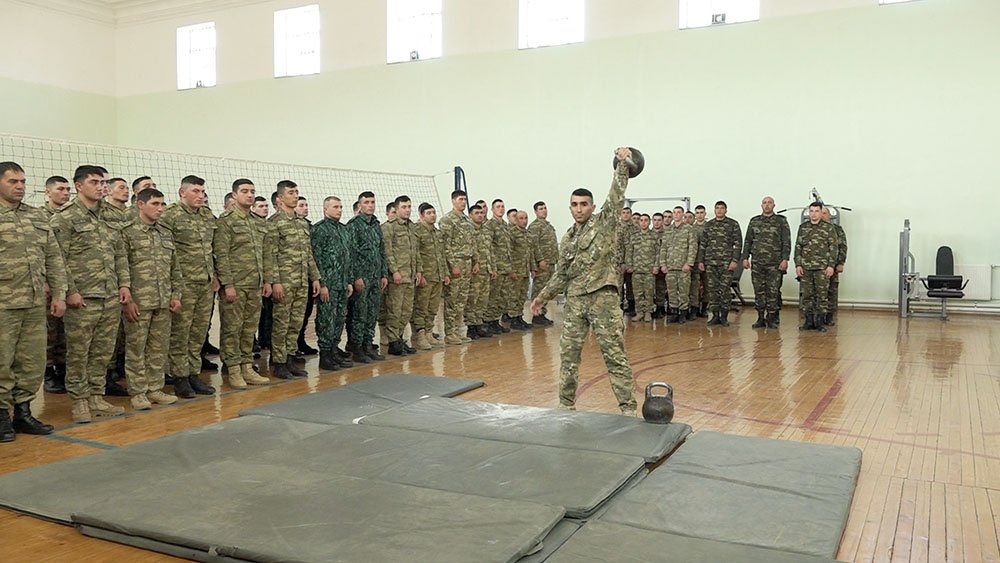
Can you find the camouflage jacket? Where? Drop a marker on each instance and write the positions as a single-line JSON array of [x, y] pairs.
[[679, 247], [92, 249], [193, 231], [841, 244], [645, 251], [399, 240], [500, 249], [430, 245], [291, 250], [520, 251], [484, 249], [588, 256], [154, 273], [243, 257], [112, 214], [816, 246], [369, 260], [768, 240], [458, 231], [29, 258], [698, 229], [631, 233], [544, 243], [334, 250], [721, 242]]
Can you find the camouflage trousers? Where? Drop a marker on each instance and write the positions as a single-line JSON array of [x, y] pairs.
[[515, 294], [815, 292], [660, 289], [698, 292], [719, 280], [833, 296], [188, 328], [643, 284], [398, 301], [22, 354], [286, 319], [679, 289], [541, 278], [766, 280], [363, 312], [426, 301], [627, 297], [55, 349], [330, 320], [479, 296], [239, 322], [90, 341], [601, 312], [146, 344], [496, 306], [456, 296]]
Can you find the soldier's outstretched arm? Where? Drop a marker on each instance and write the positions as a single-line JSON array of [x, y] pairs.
[[616, 195]]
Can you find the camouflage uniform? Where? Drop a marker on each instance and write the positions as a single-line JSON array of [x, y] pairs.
[[679, 249], [294, 269], [334, 250], [699, 283], [500, 253], [521, 260], [117, 216], [479, 284], [29, 259], [588, 273], [660, 279], [244, 262], [370, 266], [458, 233], [402, 257], [193, 231], [94, 256], [434, 268], [643, 258], [154, 278], [720, 244], [627, 232], [815, 251], [768, 242], [544, 248], [834, 292], [55, 350]]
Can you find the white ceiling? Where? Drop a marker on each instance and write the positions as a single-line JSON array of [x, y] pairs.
[[125, 12]]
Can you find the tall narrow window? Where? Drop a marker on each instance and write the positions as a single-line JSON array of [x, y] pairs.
[[196, 56], [549, 22], [703, 13], [296, 41], [413, 30]]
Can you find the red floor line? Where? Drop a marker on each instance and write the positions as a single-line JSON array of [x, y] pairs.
[[823, 404]]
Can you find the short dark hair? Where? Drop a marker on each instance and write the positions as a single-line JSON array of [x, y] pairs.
[[476, 207], [655, 215], [148, 194], [102, 169], [301, 198], [481, 203], [84, 171], [424, 207], [240, 182], [274, 198], [511, 210], [816, 204], [390, 206], [10, 166], [193, 180], [365, 194], [259, 198], [584, 192], [679, 207], [139, 180], [225, 199], [113, 180], [457, 194], [402, 199], [55, 180], [354, 207], [691, 213], [538, 204], [697, 207], [496, 201], [284, 185], [646, 215], [722, 203]]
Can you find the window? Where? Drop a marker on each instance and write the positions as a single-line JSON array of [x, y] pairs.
[[703, 13], [296, 41], [413, 30], [196, 56], [549, 22]]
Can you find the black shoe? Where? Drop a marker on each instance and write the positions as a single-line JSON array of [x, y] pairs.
[[328, 361], [256, 347], [296, 371], [24, 423], [810, 322], [225, 369], [281, 371], [198, 386], [296, 358], [682, 316], [307, 350], [503, 329], [818, 321], [208, 365], [483, 332], [724, 318], [410, 350], [182, 388], [829, 320], [772, 320], [112, 388], [168, 379], [715, 320], [761, 322], [396, 348], [703, 311], [341, 353], [777, 318], [675, 318], [53, 383], [372, 352], [208, 350], [359, 355], [505, 318], [470, 331], [120, 367], [7, 433]]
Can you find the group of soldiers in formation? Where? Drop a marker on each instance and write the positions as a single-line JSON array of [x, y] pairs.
[[96, 288], [680, 265]]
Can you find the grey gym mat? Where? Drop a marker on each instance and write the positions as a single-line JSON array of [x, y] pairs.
[[563, 531], [343, 405], [268, 513], [577, 480], [603, 541], [57, 490], [776, 494], [530, 425], [170, 549]]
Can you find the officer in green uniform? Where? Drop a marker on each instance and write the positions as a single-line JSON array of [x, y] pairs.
[[720, 245], [815, 264], [334, 250], [372, 278], [833, 299], [769, 242]]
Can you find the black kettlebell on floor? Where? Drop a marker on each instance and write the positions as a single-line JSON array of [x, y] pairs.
[[635, 164], [658, 409]]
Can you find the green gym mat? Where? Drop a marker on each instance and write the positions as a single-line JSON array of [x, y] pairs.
[[559, 535]]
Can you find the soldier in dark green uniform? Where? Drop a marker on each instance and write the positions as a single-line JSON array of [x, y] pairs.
[[57, 194], [720, 245], [334, 249], [833, 299], [371, 279], [33, 283], [815, 263], [769, 243]]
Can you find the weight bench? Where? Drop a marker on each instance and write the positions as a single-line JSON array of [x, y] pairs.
[[944, 284]]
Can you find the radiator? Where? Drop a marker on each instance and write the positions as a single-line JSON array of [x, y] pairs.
[[980, 280]]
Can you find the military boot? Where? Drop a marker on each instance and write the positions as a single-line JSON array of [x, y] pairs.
[[715, 320], [810, 322], [252, 377], [296, 371], [113, 388], [703, 311], [24, 423], [683, 316], [471, 331], [327, 361], [647, 317], [777, 317], [281, 371], [358, 354], [772, 320], [483, 332], [182, 388], [818, 320], [7, 433], [420, 340], [53, 383], [99, 407], [235, 378], [373, 352], [829, 319], [81, 411], [344, 362], [630, 412], [199, 388], [160, 398], [761, 322], [140, 402], [692, 313], [396, 348], [724, 317]]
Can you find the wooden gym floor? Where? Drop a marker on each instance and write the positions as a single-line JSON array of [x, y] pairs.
[[921, 398]]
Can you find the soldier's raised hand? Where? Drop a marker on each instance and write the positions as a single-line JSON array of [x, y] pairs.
[[623, 153]]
